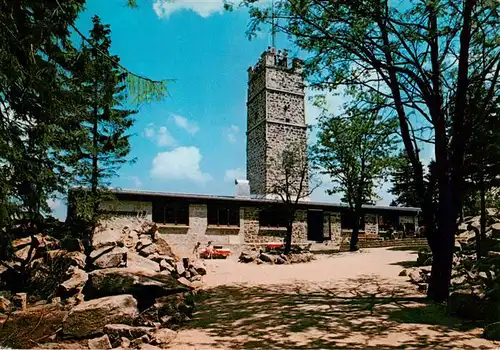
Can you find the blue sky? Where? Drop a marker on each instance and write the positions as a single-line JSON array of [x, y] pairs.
[[194, 140]]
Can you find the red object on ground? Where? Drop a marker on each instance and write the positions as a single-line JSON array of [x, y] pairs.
[[216, 253], [274, 245]]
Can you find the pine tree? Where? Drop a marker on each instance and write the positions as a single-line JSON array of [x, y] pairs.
[[105, 122], [36, 112]]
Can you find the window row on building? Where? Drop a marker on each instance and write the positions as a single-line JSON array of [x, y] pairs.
[[177, 213]]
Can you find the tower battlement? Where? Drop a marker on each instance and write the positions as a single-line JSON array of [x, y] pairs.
[[277, 60]]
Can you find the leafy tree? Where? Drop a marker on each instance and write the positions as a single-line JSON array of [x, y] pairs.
[[421, 56], [104, 142], [292, 181], [482, 148], [355, 150], [403, 182]]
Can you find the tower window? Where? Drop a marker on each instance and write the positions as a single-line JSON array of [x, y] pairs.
[[287, 120]]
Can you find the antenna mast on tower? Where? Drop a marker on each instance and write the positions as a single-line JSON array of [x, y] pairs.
[[273, 26]]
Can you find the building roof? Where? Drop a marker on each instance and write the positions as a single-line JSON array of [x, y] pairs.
[[253, 200]]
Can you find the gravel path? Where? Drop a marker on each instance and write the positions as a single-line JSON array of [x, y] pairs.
[[347, 300]]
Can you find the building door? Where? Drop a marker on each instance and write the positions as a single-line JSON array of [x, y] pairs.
[[315, 225]]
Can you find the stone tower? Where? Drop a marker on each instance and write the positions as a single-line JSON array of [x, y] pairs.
[[275, 115]]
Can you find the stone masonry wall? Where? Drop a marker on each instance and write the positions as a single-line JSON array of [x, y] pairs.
[[281, 137], [256, 158], [371, 224], [331, 225], [256, 111], [286, 108], [253, 234], [275, 117], [184, 238], [281, 79]]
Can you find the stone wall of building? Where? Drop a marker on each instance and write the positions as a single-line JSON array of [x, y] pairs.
[[332, 227], [256, 158], [371, 224], [285, 107], [279, 138], [184, 238], [284, 79], [254, 234]]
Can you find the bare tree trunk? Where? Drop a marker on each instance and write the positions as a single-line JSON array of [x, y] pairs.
[[355, 231], [288, 238]]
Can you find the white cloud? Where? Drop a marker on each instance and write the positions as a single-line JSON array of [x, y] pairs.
[[182, 163], [204, 8], [232, 133], [165, 138], [136, 180], [184, 123], [161, 136], [233, 174]]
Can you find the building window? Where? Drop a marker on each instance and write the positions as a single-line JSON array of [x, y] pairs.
[[175, 213], [223, 215], [272, 218]]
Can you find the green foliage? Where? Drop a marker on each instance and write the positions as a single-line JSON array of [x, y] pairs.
[[104, 140], [37, 106], [355, 150]]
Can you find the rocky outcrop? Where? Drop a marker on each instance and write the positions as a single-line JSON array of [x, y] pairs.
[[117, 257], [74, 284], [92, 316], [95, 299], [141, 283], [299, 255]]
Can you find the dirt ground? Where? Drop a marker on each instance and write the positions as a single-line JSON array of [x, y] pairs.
[[347, 300]]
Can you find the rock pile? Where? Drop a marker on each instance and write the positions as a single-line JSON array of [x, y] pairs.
[[128, 291], [276, 256], [475, 285]]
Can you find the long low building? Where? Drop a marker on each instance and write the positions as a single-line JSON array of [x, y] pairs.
[[239, 220], [276, 123]]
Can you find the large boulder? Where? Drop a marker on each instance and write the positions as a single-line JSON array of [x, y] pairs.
[[13, 332], [92, 316], [269, 258], [74, 284], [60, 256], [163, 336], [246, 257], [138, 262], [117, 257], [142, 284], [415, 276], [104, 237], [99, 343], [96, 253]]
